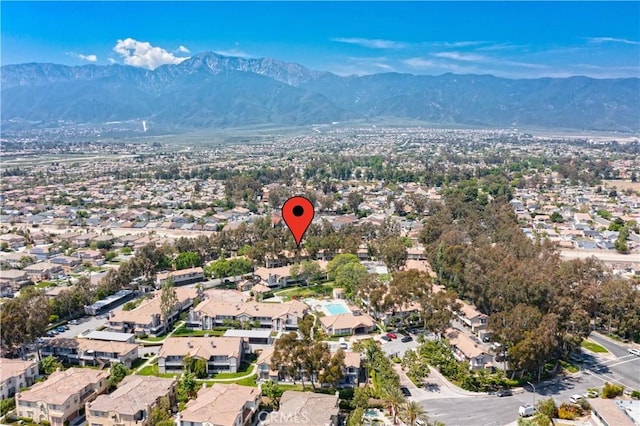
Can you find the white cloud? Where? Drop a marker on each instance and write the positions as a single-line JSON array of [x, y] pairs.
[[612, 40], [88, 58], [457, 56], [233, 52], [143, 54], [183, 49], [111, 60], [419, 63], [373, 43]]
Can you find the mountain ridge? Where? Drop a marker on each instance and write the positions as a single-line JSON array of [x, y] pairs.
[[209, 89]]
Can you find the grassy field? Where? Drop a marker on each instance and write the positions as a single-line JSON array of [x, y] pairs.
[[593, 347], [621, 185]]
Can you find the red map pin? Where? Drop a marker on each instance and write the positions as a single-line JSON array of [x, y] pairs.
[[297, 213]]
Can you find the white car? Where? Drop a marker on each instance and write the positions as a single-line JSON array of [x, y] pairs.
[[634, 351], [575, 398]]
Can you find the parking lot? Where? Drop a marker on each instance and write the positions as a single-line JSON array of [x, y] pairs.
[[396, 347]]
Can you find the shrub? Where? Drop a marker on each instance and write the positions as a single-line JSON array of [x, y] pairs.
[[7, 405], [635, 394], [584, 404], [611, 391], [548, 407], [569, 411]]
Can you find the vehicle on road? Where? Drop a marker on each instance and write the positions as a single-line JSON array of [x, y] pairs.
[[392, 335], [342, 343], [504, 392], [405, 391], [634, 351], [575, 398], [385, 338], [406, 339], [526, 410]]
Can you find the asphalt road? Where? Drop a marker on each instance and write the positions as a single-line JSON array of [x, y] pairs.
[[463, 409], [453, 406], [619, 366]]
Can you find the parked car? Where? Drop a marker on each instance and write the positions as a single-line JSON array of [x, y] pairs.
[[634, 351], [405, 391], [73, 322], [592, 393], [385, 338], [575, 398], [504, 392], [342, 343], [392, 335], [406, 339]]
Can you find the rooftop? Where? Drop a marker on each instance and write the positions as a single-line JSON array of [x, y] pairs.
[[133, 394], [220, 404], [63, 384]]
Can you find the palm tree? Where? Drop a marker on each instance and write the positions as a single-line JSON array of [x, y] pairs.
[[411, 412], [393, 398]]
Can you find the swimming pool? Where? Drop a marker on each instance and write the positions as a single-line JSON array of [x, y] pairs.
[[336, 308]]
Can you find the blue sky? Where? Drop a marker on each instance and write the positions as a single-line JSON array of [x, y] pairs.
[[512, 39]]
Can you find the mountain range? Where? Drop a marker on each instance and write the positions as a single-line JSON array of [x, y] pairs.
[[209, 90]]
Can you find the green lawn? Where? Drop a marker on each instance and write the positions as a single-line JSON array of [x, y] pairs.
[[249, 381], [184, 332], [593, 347], [152, 370], [137, 363], [244, 369]]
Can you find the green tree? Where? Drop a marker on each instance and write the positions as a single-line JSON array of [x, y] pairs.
[[161, 412], [50, 364], [349, 275], [117, 373], [411, 412], [288, 356], [7, 405], [187, 260], [353, 200], [548, 408], [361, 398], [333, 372], [393, 399], [392, 251], [316, 359], [187, 387], [273, 391], [356, 416], [556, 217], [338, 261], [168, 300]]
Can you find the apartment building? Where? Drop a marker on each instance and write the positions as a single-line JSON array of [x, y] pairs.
[[16, 374], [222, 354], [61, 397]]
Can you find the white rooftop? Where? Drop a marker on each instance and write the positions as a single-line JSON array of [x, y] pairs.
[[248, 333], [109, 335]]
